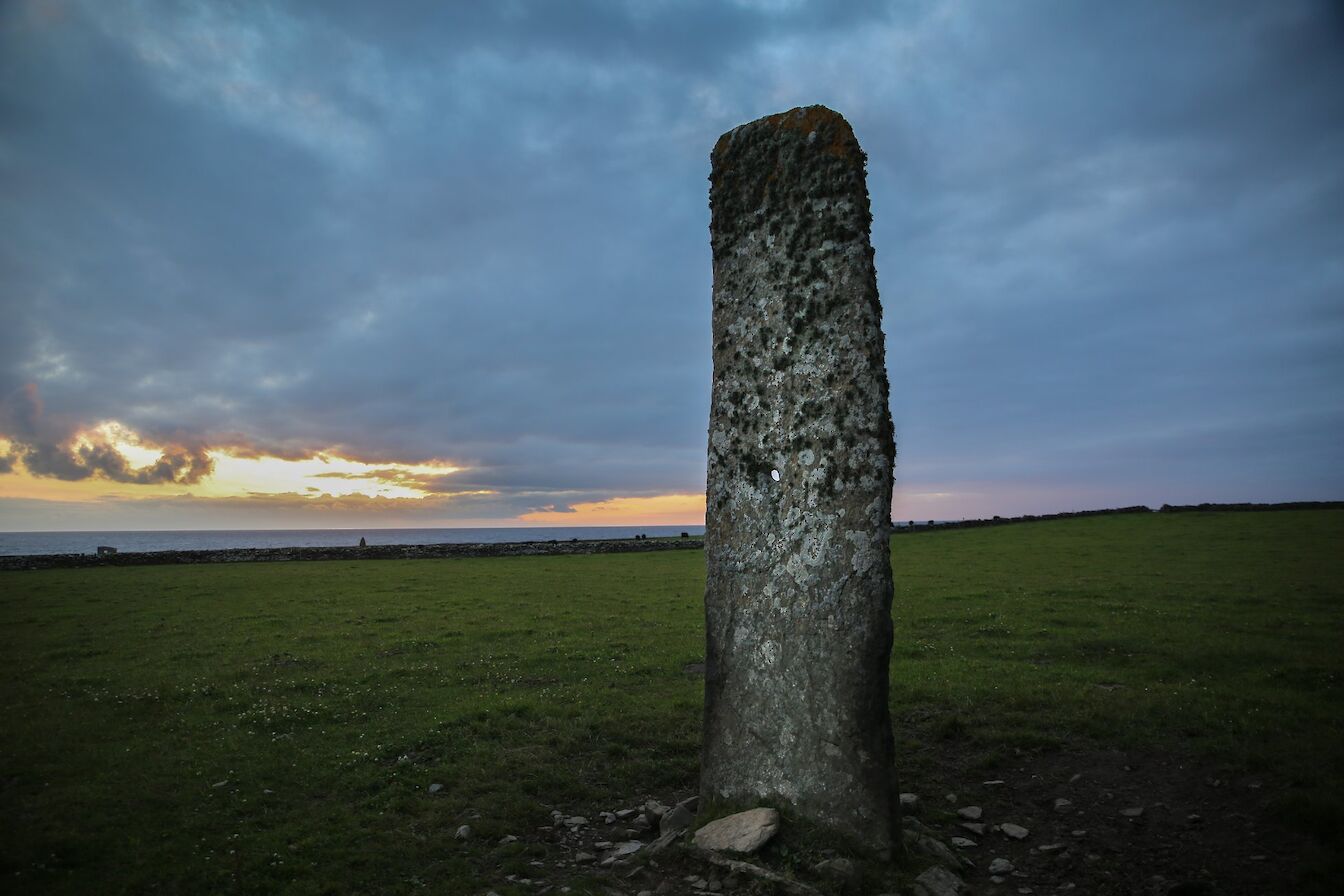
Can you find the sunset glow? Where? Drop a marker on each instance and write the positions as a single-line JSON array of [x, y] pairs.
[[235, 473], [657, 510]]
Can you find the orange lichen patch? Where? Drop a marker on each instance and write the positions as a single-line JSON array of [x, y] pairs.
[[829, 125]]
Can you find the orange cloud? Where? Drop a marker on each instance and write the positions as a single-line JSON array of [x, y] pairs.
[[656, 510]]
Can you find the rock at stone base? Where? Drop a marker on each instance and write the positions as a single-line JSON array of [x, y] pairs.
[[1016, 831], [1001, 866], [938, 881], [744, 832], [463, 833], [654, 811], [676, 819], [837, 869]]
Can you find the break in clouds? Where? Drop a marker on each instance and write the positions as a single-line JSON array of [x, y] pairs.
[[1107, 240]]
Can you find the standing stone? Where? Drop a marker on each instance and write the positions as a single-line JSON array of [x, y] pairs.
[[798, 594]]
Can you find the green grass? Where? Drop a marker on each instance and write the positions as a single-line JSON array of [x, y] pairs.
[[275, 727]]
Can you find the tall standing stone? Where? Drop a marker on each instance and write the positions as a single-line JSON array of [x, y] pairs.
[[798, 595]]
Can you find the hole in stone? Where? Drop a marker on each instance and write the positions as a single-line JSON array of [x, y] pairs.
[[774, 474]]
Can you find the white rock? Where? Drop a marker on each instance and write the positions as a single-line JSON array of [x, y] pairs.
[[1016, 831], [628, 848], [507, 839], [435, 788], [624, 814], [463, 833], [744, 832], [909, 801]]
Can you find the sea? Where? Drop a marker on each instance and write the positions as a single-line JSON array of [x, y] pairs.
[[220, 539]]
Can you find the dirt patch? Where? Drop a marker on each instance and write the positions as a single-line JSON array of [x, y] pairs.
[[1113, 822]]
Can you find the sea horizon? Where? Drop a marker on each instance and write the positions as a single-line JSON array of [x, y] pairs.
[[142, 540]]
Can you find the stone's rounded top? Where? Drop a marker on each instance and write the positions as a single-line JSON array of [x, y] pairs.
[[818, 126]]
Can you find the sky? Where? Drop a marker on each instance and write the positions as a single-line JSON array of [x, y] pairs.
[[274, 265]]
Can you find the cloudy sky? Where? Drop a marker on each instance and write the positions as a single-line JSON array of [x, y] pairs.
[[447, 263]]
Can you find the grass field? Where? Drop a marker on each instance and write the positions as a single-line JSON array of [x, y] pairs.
[[276, 727]]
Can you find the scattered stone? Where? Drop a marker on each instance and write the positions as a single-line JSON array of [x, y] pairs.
[[996, 879], [676, 819], [951, 797], [603, 844], [838, 869], [626, 814], [975, 827], [932, 847], [1194, 818], [507, 839], [995, 783], [1001, 866], [653, 812], [970, 813], [219, 784], [744, 832], [1080, 833], [963, 842], [1076, 778], [1016, 831], [628, 848], [938, 881], [914, 824], [583, 858], [1025, 890], [1132, 812], [640, 823], [1053, 847], [463, 833], [607, 817], [909, 802], [1062, 804], [435, 788]]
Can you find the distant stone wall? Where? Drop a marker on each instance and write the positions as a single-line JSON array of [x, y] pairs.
[[372, 552], [1138, 508]]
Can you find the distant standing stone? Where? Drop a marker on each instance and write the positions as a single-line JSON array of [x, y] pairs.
[[362, 542], [798, 587]]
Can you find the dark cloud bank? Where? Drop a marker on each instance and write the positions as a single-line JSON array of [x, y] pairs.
[[1108, 237]]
